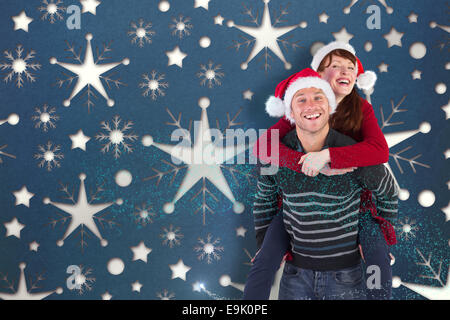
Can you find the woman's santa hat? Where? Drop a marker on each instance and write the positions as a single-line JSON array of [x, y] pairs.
[[364, 80], [280, 104]]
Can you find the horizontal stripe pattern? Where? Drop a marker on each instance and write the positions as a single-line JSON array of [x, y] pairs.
[[321, 214]]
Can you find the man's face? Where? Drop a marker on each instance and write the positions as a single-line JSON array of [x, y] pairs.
[[310, 109]]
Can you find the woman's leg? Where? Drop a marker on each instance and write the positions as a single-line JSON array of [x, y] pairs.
[[267, 261], [377, 260]]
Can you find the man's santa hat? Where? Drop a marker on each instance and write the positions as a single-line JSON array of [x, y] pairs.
[[280, 104], [364, 80]]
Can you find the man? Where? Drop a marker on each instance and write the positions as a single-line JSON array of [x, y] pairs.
[[321, 214]]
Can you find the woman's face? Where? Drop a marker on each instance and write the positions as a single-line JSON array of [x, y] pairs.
[[341, 75]]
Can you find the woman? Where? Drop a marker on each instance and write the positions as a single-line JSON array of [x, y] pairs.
[[336, 63]]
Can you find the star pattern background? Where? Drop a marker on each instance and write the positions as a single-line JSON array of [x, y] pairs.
[[149, 75]]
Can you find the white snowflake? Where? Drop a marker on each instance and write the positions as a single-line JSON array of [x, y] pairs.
[[165, 295], [143, 215], [153, 86], [49, 156], [141, 33], [181, 26], [407, 228], [117, 137], [210, 75], [45, 118], [171, 236], [19, 66], [208, 249], [83, 280], [51, 10]]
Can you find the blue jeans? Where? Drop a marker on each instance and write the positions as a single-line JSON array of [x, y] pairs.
[[303, 284], [277, 242]]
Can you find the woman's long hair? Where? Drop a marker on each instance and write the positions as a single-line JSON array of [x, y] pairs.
[[348, 116]]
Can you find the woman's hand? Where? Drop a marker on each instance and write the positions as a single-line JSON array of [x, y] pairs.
[[334, 172], [313, 162]]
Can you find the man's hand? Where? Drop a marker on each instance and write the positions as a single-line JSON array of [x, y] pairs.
[[313, 162], [326, 170]]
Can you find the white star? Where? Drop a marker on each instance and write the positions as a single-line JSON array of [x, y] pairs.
[[383, 67], [79, 140], [394, 38], [23, 293], [447, 154], [446, 109], [412, 18], [89, 72], [179, 270], [106, 296], [266, 37], [416, 74], [201, 3], [323, 18], [218, 19], [21, 21], [90, 6], [140, 252], [176, 56], [446, 210], [34, 246], [240, 232], [248, 94], [342, 35], [13, 228], [23, 196], [136, 286], [204, 161], [82, 213]]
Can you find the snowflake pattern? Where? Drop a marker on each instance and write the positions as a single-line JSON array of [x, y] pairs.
[[171, 236], [117, 138], [153, 85], [52, 11], [84, 280], [45, 118], [208, 249], [141, 33], [165, 295], [143, 214], [19, 66], [210, 75], [49, 155], [406, 228], [181, 26]]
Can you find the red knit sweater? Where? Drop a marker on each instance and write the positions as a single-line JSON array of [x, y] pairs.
[[371, 149]]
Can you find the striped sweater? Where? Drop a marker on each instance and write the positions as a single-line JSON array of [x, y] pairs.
[[321, 213]]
